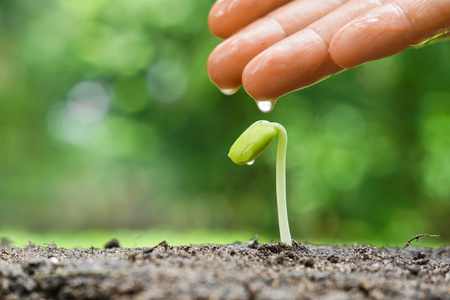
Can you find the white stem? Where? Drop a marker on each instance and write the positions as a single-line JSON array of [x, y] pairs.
[[281, 185]]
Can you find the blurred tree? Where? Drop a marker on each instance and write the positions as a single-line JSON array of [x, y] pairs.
[[108, 119]]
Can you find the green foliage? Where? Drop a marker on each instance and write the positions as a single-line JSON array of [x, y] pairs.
[[108, 120]]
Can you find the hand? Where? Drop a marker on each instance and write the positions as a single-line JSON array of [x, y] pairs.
[[274, 47]]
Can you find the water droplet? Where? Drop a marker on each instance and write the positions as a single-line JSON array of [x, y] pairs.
[[265, 106], [251, 162], [229, 91]]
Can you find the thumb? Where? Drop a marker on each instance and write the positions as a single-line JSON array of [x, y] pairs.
[[389, 29]]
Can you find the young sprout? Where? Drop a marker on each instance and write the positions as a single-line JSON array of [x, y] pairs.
[[249, 146]]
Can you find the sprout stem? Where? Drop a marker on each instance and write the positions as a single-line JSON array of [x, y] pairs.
[[250, 144], [285, 234]]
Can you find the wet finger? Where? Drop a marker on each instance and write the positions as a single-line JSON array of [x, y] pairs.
[[302, 58], [389, 29], [228, 16], [228, 60]]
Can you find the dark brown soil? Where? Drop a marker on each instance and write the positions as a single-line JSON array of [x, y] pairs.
[[238, 271]]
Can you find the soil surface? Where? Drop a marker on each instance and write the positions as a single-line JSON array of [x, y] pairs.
[[238, 271]]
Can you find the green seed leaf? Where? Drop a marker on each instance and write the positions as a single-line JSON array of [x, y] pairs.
[[252, 142]]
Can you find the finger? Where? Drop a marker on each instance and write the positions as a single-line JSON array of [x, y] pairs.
[[301, 59], [389, 29], [227, 61], [228, 16]]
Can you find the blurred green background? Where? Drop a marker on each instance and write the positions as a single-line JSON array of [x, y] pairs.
[[108, 122]]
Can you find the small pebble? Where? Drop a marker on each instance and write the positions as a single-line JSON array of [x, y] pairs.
[[253, 243], [54, 260], [414, 270], [309, 263], [421, 255], [366, 286], [333, 259], [114, 243], [280, 259]]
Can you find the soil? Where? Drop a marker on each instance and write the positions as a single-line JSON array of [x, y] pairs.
[[238, 271]]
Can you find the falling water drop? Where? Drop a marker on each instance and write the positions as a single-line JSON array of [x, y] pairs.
[[265, 106], [229, 91], [251, 162]]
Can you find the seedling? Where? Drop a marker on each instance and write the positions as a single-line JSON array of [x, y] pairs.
[[249, 146]]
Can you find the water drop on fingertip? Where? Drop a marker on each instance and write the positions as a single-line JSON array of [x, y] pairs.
[[229, 91], [266, 105]]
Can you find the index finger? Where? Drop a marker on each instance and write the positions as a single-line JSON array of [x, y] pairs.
[[228, 16]]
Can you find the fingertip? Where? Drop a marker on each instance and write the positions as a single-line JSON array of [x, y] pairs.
[[342, 48], [228, 60], [256, 75], [382, 32], [221, 77], [226, 17], [224, 67], [298, 61], [216, 23]]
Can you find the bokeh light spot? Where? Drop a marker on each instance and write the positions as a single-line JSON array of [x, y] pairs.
[[167, 81], [75, 119], [88, 102]]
